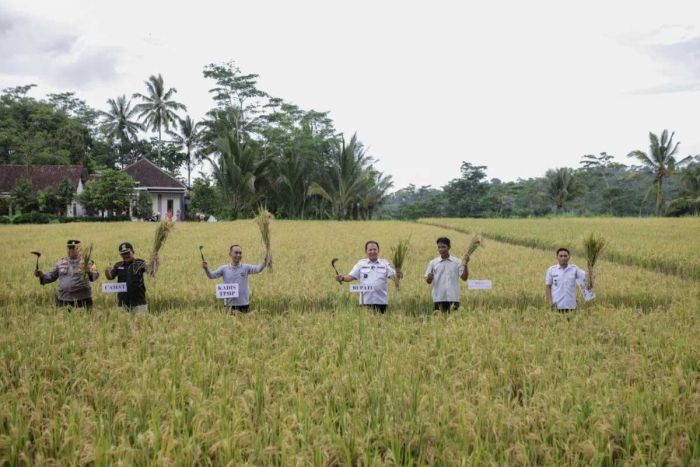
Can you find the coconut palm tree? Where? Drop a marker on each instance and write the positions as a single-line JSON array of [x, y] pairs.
[[562, 186], [187, 137], [688, 201], [660, 161], [118, 121], [158, 110]]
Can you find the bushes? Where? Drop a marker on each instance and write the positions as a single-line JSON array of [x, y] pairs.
[[34, 218]]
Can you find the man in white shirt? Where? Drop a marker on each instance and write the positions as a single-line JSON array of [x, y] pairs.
[[444, 273], [373, 272], [560, 282]]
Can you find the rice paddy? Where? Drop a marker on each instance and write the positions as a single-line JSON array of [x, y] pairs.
[[309, 378]]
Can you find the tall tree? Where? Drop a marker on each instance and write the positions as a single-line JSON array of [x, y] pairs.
[[563, 186], [688, 201], [660, 161], [158, 110], [120, 124], [187, 137]]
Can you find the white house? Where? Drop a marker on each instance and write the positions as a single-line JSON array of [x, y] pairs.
[[167, 193]]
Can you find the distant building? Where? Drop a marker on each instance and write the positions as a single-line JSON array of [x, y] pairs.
[[167, 192], [42, 177]]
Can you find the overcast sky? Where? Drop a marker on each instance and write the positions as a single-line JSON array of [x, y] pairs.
[[517, 86]]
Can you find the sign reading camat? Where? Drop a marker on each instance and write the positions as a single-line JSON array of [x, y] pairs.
[[226, 290], [114, 287], [479, 284], [361, 288]]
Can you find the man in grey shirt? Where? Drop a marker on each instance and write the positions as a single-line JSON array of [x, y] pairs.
[[73, 281], [237, 273], [444, 273]]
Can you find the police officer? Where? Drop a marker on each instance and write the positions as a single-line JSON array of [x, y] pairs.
[[73, 286], [374, 272], [130, 270]]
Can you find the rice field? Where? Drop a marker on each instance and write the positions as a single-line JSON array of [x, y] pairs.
[[309, 378], [666, 245]]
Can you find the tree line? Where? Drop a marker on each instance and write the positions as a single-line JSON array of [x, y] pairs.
[[658, 182], [263, 150]]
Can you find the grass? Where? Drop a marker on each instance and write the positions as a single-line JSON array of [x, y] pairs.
[[308, 378]]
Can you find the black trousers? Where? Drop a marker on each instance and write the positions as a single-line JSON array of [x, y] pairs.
[[377, 307], [241, 308], [445, 306], [82, 303]]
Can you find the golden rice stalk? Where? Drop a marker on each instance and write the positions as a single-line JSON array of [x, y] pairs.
[[263, 220], [476, 242], [162, 232], [85, 254], [398, 256], [593, 245]]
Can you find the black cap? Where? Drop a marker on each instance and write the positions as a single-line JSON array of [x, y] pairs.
[[72, 243], [125, 247]]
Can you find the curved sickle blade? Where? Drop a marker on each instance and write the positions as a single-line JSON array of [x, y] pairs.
[[37, 254], [201, 247]]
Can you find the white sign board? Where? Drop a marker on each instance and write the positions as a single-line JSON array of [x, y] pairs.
[[226, 290], [360, 288], [114, 287], [479, 284], [588, 294]]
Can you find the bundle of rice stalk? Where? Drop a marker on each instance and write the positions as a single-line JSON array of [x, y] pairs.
[[476, 242], [593, 245], [85, 254], [162, 232], [398, 256], [263, 220]]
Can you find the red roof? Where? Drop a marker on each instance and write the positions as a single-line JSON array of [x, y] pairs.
[[40, 176], [149, 175]]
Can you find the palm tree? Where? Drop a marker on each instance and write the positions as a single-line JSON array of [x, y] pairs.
[[240, 172], [118, 120], [345, 180], [292, 181], [563, 186], [119, 123], [158, 110], [660, 161], [688, 201], [187, 137]]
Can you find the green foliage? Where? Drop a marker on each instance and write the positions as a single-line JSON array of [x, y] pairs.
[[563, 186], [157, 109], [688, 201], [34, 218], [205, 198], [464, 195], [24, 198], [143, 205], [111, 192]]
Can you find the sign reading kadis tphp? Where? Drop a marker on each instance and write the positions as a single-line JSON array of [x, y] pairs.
[[114, 287], [479, 284], [226, 290], [361, 288]]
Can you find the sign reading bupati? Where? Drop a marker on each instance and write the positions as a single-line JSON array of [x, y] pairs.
[[479, 284], [361, 288], [226, 290], [114, 287]]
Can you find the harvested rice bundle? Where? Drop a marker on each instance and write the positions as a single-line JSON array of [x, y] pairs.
[[162, 232], [593, 245], [398, 257], [476, 242], [85, 254], [263, 220]]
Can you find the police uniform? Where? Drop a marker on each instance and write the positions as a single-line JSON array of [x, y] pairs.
[[563, 282], [376, 274], [73, 284], [131, 272]]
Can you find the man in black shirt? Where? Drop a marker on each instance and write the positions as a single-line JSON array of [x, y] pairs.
[[130, 270]]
